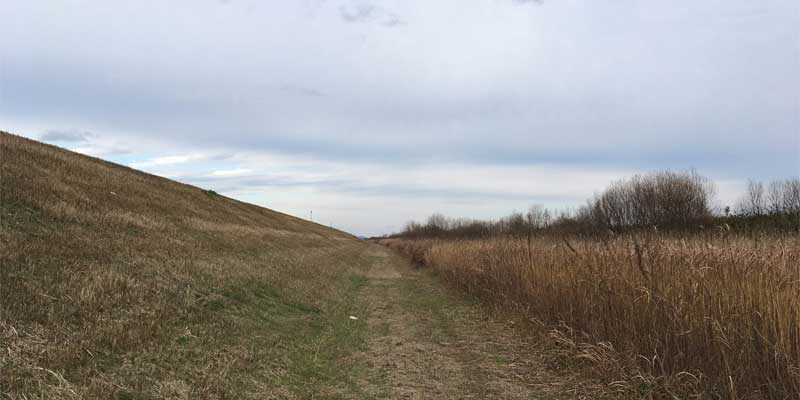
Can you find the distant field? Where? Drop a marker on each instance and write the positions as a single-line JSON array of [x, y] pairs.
[[708, 316]]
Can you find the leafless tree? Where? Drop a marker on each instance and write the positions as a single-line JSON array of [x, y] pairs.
[[754, 202]]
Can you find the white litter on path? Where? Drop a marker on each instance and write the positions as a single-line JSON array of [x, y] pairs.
[[352, 317]]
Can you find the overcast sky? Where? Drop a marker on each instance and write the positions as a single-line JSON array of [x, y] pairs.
[[371, 113]]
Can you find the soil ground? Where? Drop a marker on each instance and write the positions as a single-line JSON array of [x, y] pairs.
[[426, 342]]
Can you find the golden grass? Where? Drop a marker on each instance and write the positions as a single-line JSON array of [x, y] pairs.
[[702, 316], [119, 284]]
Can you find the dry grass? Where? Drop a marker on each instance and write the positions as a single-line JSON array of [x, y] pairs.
[[655, 316], [119, 284]]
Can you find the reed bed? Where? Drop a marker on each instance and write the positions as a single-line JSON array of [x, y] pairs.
[[713, 317]]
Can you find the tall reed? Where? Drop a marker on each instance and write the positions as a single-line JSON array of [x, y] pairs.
[[721, 313]]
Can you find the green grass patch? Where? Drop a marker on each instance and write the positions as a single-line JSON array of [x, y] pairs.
[[423, 296]]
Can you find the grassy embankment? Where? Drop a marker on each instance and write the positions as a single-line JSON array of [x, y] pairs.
[[119, 284], [711, 317]]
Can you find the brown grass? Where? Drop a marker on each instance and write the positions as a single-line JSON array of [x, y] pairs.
[[710, 317], [119, 284]]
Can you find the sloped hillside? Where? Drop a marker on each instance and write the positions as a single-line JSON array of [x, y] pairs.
[[119, 284]]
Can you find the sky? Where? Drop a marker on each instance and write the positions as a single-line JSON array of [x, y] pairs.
[[373, 113]]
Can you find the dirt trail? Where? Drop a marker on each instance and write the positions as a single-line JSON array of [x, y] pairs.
[[426, 343]]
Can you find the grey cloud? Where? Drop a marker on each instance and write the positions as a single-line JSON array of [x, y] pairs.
[[353, 13], [302, 90], [254, 183], [364, 12], [711, 85], [65, 136], [393, 20]]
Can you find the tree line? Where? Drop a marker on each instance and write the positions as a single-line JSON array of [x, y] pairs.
[[663, 200]]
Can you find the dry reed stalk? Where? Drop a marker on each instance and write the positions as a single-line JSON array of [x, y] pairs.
[[712, 316]]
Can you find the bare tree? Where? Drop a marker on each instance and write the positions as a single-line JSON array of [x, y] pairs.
[[537, 217], [791, 195], [753, 202], [666, 199], [774, 200]]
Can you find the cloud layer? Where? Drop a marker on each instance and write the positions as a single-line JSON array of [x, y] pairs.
[[384, 111]]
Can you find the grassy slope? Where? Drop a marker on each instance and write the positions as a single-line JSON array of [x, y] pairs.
[[119, 284]]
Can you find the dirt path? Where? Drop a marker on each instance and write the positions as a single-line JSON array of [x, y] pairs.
[[427, 343]]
